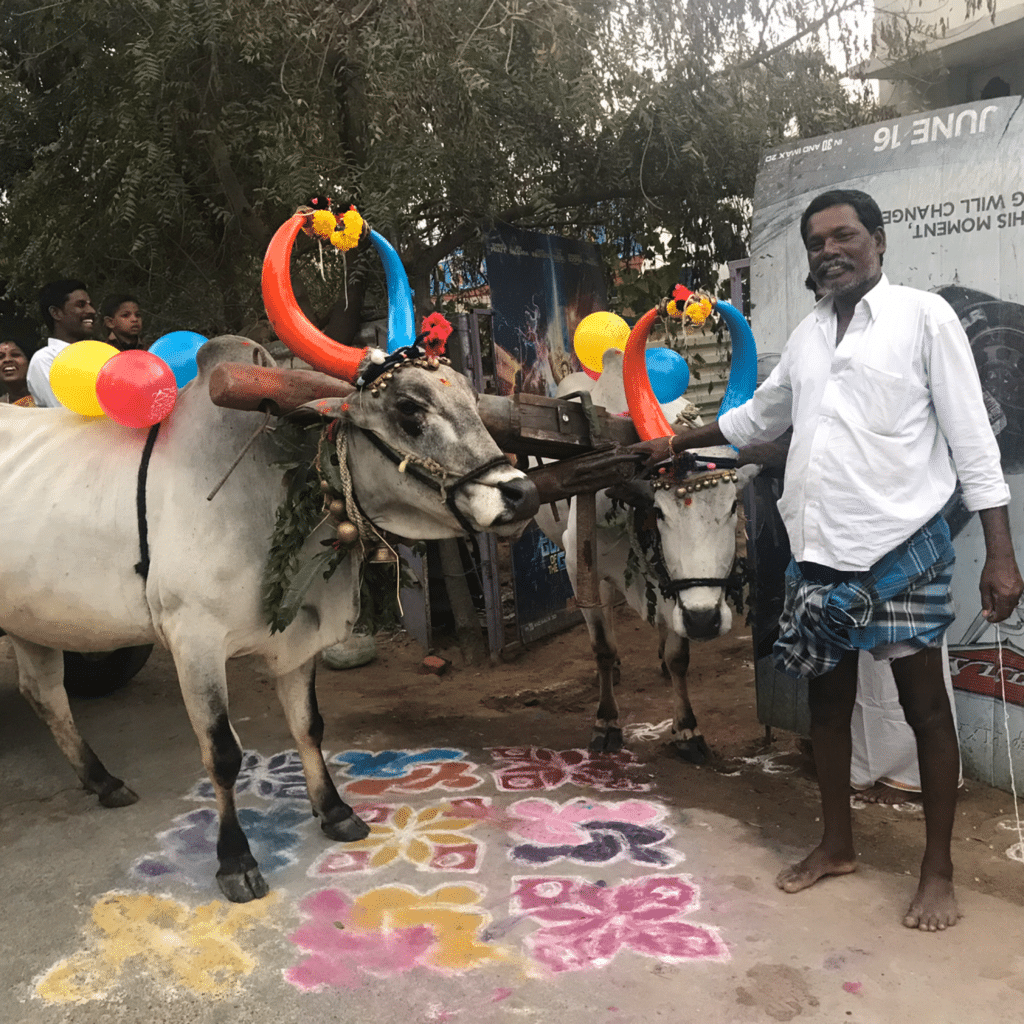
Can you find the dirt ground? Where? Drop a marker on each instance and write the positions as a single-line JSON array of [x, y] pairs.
[[547, 697]]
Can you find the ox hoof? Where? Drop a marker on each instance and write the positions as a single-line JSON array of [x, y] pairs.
[[346, 830], [119, 796], [694, 750], [240, 880], [606, 741]]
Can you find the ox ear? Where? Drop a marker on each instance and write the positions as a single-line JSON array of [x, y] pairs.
[[231, 348], [638, 493], [321, 409], [744, 474]]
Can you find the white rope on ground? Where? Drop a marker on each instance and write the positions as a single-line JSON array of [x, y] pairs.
[[1015, 852]]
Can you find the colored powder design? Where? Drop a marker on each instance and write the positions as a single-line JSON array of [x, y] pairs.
[[387, 931], [535, 768], [584, 926], [133, 934]]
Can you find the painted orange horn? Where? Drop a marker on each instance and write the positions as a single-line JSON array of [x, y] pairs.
[[649, 420], [289, 322]]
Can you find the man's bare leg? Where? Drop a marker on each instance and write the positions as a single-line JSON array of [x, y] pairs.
[[831, 699], [922, 691]]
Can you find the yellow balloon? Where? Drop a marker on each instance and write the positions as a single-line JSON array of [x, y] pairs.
[[74, 372], [595, 335]]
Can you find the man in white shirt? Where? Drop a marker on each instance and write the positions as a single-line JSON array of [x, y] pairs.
[[69, 317], [880, 387]]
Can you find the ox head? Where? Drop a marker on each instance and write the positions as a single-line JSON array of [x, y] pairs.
[[694, 501], [423, 465], [697, 523]]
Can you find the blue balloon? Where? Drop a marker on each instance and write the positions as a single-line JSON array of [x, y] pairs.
[[178, 349], [669, 374]]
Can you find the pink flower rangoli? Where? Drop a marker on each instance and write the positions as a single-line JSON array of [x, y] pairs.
[[519, 769], [584, 925]]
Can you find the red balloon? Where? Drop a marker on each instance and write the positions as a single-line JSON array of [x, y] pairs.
[[136, 388], [592, 374]]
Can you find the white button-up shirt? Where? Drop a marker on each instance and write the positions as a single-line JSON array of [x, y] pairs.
[[38, 376], [883, 424]]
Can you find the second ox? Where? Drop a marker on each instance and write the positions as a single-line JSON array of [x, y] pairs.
[[667, 542]]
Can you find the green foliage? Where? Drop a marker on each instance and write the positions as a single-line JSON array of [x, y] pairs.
[[156, 144]]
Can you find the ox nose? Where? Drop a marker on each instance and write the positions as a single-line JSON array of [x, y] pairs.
[[702, 623], [521, 500]]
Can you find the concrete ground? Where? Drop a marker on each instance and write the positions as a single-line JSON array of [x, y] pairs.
[[509, 876]]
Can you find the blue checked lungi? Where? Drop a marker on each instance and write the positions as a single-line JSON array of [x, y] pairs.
[[903, 597]]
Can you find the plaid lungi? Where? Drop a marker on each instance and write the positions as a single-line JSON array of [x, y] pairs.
[[903, 597]]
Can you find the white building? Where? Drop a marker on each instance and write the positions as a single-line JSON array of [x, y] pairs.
[[963, 51]]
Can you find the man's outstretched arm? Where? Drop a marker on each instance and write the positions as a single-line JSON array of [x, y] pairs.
[[662, 448]]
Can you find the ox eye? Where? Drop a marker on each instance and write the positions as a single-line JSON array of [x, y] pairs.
[[410, 416], [733, 510], [407, 407]]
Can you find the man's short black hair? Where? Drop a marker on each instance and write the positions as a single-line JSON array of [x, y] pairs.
[[56, 294], [112, 303], [863, 205]]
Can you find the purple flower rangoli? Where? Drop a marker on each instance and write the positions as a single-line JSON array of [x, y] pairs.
[[584, 925], [590, 833], [189, 848], [278, 777]]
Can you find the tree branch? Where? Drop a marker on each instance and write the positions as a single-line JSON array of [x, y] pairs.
[[760, 58]]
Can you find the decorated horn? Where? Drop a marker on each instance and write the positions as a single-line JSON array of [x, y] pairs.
[[743, 371], [290, 323], [648, 418], [401, 320]]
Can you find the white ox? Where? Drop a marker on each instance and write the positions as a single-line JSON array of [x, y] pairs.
[[69, 485], [667, 544]]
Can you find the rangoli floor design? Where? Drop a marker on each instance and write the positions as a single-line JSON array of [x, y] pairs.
[[467, 866]]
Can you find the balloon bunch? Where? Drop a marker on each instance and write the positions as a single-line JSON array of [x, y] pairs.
[[137, 388], [601, 332]]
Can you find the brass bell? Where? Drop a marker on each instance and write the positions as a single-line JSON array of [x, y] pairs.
[[382, 554], [347, 533], [337, 508]]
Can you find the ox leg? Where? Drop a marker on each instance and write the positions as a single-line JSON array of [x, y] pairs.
[[686, 734], [41, 681], [607, 735], [205, 691], [297, 693]]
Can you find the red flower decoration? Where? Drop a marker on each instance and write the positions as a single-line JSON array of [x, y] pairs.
[[437, 329], [681, 293]]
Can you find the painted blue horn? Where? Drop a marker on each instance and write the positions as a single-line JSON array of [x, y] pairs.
[[743, 372], [401, 319]]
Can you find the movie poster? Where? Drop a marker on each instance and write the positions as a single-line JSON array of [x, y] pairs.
[[542, 286], [950, 184]]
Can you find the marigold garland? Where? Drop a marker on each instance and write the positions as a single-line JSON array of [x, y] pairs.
[[697, 310], [324, 223], [350, 230]]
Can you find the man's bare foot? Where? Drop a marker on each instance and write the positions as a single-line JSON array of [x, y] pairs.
[[880, 793], [817, 864], [933, 908]]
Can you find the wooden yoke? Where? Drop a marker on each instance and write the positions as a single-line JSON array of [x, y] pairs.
[[258, 388]]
